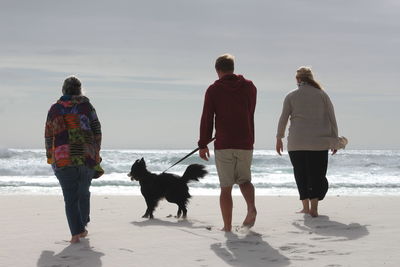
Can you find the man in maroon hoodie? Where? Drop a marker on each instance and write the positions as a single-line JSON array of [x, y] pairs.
[[230, 102]]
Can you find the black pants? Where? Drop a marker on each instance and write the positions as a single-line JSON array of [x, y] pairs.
[[309, 169]]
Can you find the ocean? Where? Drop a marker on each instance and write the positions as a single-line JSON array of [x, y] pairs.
[[350, 172]]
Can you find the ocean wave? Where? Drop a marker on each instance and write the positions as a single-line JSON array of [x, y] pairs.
[[6, 153], [348, 170], [262, 185], [23, 171]]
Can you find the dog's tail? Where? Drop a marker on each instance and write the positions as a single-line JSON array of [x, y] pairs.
[[194, 172]]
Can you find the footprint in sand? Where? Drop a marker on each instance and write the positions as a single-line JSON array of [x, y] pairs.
[[322, 252], [126, 249], [301, 258], [294, 246], [321, 238]]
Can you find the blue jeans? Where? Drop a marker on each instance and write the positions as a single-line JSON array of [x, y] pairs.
[[75, 182]]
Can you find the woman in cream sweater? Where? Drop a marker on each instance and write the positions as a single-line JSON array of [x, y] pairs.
[[312, 132]]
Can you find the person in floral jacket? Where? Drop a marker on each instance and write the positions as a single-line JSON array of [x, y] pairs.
[[73, 142]]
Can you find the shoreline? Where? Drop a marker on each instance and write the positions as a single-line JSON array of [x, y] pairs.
[[202, 193], [350, 231]]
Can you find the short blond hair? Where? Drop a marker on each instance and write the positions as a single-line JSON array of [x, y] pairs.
[[225, 63]]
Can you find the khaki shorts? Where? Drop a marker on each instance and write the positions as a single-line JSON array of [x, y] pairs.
[[233, 166]]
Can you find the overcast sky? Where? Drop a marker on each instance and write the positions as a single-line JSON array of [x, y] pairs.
[[145, 65]]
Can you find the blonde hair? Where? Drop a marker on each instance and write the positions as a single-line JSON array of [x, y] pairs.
[[305, 74], [225, 63]]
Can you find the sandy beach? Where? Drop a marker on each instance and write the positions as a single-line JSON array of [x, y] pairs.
[[351, 231]]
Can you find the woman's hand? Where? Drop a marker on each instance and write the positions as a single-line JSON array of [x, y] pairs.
[[279, 146]]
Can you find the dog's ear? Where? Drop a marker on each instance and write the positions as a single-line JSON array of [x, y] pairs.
[[142, 160]]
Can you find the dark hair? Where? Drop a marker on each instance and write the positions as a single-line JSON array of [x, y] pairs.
[[225, 63], [72, 86]]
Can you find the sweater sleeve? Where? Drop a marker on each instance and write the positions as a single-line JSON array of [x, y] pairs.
[[207, 121], [332, 117], [253, 101], [283, 120], [96, 129], [49, 136]]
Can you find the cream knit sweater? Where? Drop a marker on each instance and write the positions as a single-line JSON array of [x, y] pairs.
[[312, 119]]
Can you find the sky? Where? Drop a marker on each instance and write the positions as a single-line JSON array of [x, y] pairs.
[[145, 65]]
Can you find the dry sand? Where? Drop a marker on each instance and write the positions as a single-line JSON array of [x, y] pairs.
[[351, 231]]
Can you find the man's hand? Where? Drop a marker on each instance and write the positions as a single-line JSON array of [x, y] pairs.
[[204, 153], [334, 151], [279, 146]]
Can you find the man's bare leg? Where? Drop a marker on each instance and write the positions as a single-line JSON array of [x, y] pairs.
[[226, 204], [247, 190]]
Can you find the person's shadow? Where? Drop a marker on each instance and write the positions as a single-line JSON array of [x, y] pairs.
[[325, 227], [80, 254], [250, 250]]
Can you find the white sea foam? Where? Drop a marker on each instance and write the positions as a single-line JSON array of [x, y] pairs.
[[350, 172]]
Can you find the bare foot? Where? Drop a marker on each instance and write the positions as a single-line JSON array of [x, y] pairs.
[[304, 211], [227, 229], [313, 213], [84, 234], [250, 219], [75, 239]]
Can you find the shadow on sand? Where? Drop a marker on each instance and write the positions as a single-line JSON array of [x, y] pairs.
[[80, 254], [250, 250], [178, 223], [323, 226]]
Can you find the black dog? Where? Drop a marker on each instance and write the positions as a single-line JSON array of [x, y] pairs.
[[173, 188]]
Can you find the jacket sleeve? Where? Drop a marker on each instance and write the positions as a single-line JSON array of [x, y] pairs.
[[207, 121], [331, 116], [49, 137], [283, 120], [253, 101], [96, 129]]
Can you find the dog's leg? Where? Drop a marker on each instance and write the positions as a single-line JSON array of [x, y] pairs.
[[184, 213], [178, 215], [182, 210], [152, 208], [149, 213], [149, 210], [146, 214]]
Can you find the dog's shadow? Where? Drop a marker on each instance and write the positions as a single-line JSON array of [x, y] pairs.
[[187, 223], [323, 226]]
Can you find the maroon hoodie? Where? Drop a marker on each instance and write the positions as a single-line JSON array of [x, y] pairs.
[[231, 100]]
